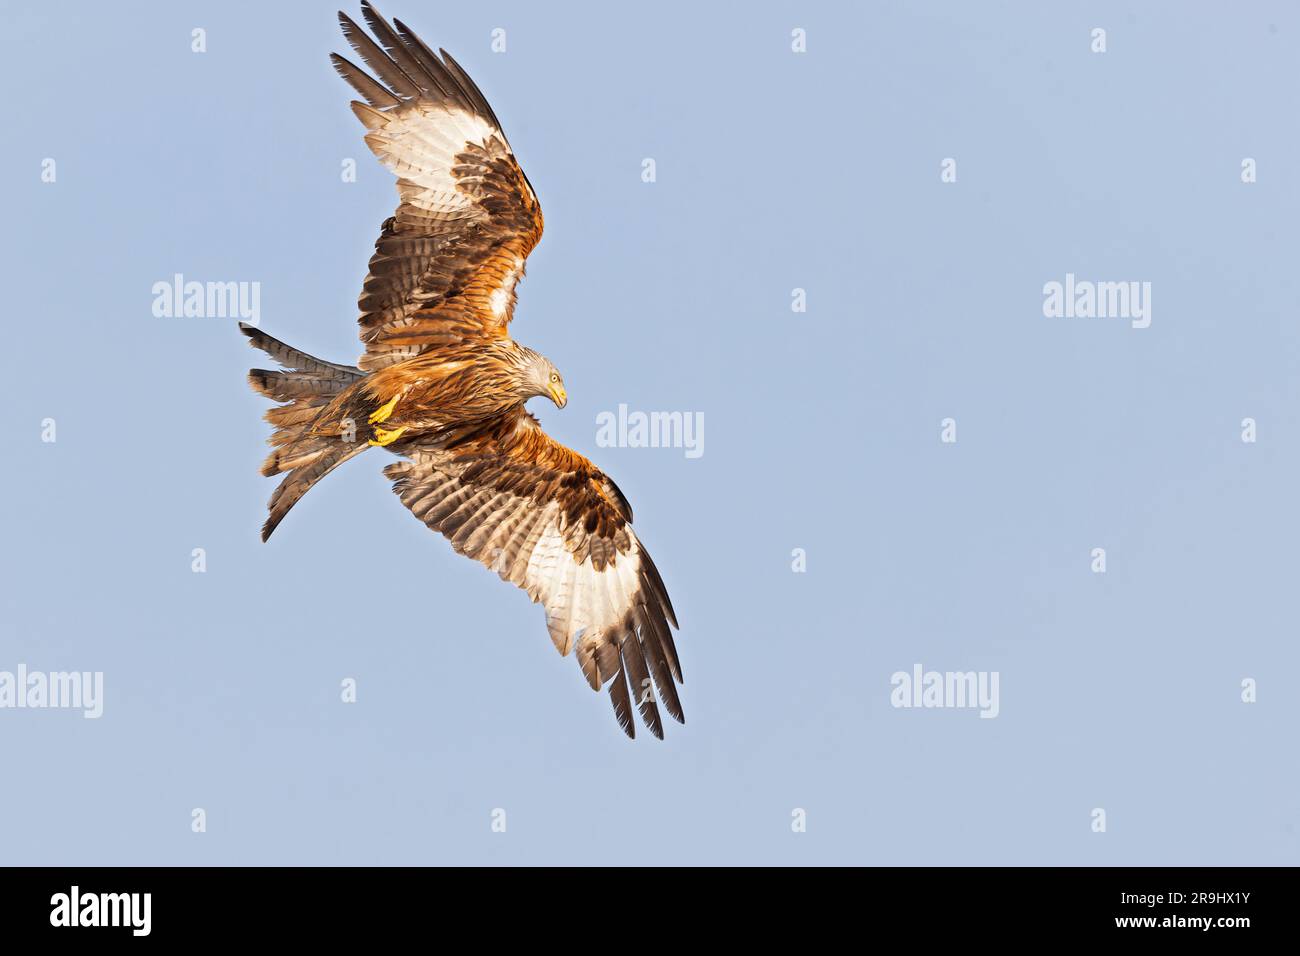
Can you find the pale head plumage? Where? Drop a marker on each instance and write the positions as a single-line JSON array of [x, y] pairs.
[[537, 375]]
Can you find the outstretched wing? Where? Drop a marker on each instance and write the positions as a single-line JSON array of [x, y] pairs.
[[547, 520], [446, 264]]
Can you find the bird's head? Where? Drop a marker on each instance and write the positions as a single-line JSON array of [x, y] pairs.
[[544, 379], [555, 388]]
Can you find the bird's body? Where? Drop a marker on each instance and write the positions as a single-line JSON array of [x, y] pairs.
[[455, 384], [443, 385]]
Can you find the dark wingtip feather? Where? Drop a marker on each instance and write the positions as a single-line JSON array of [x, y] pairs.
[[622, 703], [657, 583], [652, 648], [656, 617], [361, 81], [473, 94], [638, 674]]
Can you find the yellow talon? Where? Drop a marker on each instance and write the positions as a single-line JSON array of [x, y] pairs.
[[381, 414], [384, 436]]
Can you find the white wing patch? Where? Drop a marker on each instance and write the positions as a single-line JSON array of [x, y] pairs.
[[501, 301], [580, 601], [419, 142]]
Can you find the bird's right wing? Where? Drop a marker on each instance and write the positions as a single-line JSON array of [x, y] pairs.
[[546, 519]]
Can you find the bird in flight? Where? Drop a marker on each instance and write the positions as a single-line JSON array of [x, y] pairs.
[[442, 385]]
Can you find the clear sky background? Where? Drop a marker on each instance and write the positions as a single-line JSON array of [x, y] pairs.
[[775, 171]]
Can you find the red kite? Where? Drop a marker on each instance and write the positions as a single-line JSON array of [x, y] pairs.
[[443, 385]]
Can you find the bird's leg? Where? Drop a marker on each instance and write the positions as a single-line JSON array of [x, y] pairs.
[[383, 411], [384, 436]]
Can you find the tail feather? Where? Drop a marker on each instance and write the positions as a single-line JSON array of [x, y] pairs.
[[312, 435], [309, 466], [287, 417], [290, 386], [292, 358]]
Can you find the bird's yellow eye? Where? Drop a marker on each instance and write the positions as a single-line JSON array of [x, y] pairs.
[[555, 376]]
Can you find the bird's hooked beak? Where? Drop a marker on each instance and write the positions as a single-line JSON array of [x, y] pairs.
[[558, 395]]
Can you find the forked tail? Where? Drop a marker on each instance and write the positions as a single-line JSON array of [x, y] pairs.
[[314, 432]]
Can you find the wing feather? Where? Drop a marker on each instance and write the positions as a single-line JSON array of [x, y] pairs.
[[375, 58], [447, 262], [543, 518]]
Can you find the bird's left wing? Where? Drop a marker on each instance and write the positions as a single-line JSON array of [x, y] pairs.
[[547, 520], [447, 262]]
